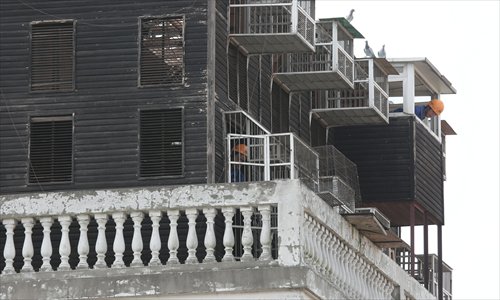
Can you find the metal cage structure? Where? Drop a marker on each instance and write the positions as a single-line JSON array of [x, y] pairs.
[[338, 179], [331, 66], [272, 157], [366, 104], [272, 26]]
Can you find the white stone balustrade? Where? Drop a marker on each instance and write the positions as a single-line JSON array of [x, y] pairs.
[[120, 245], [309, 233]]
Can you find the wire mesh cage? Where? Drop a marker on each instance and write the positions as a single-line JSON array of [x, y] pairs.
[[339, 175]]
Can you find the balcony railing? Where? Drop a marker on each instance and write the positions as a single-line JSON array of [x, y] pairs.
[[331, 66], [273, 156], [432, 124], [163, 229], [272, 26], [366, 104]]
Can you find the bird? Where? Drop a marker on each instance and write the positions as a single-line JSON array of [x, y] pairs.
[[369, 51], [381, 52], [350, 16]]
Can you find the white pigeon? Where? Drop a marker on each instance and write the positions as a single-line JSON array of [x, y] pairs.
[[350, 16], [381, 53], [369, 50]]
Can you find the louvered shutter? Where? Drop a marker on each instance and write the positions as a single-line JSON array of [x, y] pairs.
[[161, 136], [52, 56], [162, 51], [51, 150]]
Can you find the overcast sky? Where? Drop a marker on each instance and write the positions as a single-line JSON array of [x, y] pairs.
[[460, 38]]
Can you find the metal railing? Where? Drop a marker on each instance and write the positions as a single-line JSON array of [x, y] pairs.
[[432, 124], [367, 92], [271, 157], [329, 57], [272, 17]]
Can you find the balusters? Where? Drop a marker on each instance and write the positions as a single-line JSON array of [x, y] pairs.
[[64, 246], [119, 242], [137, 245], [247, 237], [101, 245], [9, 251], [27, 244], [46, 249], [228, 239], [191, 240], [210, 241], [83, 242], [265, 234], [155, 243], [173, 239]]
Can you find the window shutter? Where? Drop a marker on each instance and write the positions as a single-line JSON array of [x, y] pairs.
[[161, 137], [52, 55], [51, 150], [162, 51]]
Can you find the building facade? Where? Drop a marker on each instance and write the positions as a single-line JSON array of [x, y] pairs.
[[118, 126]]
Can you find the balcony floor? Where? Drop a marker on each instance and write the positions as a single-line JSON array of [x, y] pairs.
[[310, 81], [272, 43], [336, 117]]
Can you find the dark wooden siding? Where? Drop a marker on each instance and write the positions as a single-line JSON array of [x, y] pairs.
[[384, 157], [106, 99], [397, 162], [428, 172]]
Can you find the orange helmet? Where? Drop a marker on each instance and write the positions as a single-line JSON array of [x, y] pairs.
[[437, 106], [241, 149]]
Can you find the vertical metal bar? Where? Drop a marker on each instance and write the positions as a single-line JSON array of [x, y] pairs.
[[229, 166], [412, 239], [295, 17], [267, 171], [440, 262], [426, 251], [292, 156], [371, 86]]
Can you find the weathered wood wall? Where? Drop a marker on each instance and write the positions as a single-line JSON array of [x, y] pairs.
[[107, 98]]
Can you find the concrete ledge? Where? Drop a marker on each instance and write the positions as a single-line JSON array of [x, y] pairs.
[[165, 281]]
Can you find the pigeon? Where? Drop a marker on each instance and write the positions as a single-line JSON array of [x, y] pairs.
[[369, 51], [381, 53], [350, 16]]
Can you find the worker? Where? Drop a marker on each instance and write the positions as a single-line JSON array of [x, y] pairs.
[[239, 154], [433, 108]]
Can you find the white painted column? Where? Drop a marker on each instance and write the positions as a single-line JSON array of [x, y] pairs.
[[64, 246], [210, 241], [265, 234], [155, 243], [192, 239], [119, 242], [101, 246], [137, 245], [9, 250], [247, 237], [28, 250], [173, 238], [46, 249], [228, 238], [83, 241]]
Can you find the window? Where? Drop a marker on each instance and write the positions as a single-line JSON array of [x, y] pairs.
[[52, 56], [51, 149], [162, 51], [161, 139]]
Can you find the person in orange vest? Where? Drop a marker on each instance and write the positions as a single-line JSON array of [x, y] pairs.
[[433, 108], [240, 154]]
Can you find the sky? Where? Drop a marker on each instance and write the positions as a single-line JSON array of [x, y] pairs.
[[461, 39]]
